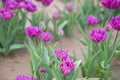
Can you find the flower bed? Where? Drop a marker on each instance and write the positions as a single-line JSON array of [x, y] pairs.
[[48, 63]]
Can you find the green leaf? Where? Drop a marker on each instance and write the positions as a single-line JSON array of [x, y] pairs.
[[83, 42], [89, 79], [35, 59], [84, 54], [54, 79], [46, 57], [93, 79], [57, 74], [104, 65], [63, 24], [77, 64], [2, 37], [74, 75], [48, 70], [95, 55], [83, 32], [17, 46], [40, 76], [82, 79], [31, 67]]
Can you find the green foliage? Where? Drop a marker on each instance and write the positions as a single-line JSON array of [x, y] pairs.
[[71, 17], [39, 58], [38, 17], [22, 18], [99, 57], [65, 1], [72, 23], [91, 7], [56, 24], [44, 56], [90, 79]]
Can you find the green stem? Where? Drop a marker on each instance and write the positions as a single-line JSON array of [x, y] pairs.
[[115, 39], [43, 41], [61, 47], [64, 77], [109, 17], [112, 52], [55, 29], [61, 43], [95, 48]]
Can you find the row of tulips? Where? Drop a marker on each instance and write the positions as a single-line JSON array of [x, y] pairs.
[[49, 64], [13, 20]]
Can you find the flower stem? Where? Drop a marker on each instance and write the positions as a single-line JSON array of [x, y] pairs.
[[112, 52], [115, 39], [95, 48], [61, 43], [64, 77], [60, 47], [43, 41], [109, 17]]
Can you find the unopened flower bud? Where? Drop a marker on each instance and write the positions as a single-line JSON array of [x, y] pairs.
[[42, 25], [108, 27], [60, 31], [42, 70]]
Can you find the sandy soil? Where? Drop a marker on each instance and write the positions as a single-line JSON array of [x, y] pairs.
[[116, 68], [14, 65]]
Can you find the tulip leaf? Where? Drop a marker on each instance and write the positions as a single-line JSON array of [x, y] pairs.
[[17, 46], [77, 64], [63, 24]]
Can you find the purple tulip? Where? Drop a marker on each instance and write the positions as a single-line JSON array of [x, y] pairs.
[[108, 27], [46, 36], [11, 4], [29, 6], [42, 69], [21, 5], [33, 31], [19, 0], [61, 54], [56, 15], [115, 22], [70, 6], [67, 66], [46, 2], [38, 0], [110, 4], [92, 20], [6, 14], [22, 77], [98, 35]]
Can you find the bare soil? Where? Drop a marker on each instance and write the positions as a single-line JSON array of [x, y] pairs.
[[116, 68]]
